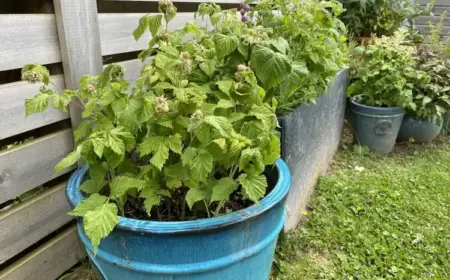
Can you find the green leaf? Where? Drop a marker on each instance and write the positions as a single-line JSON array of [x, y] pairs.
[[60, 102], [174, 143], [270, 67], [82, 130], [160, 157], [223, 188], [426, 100], [99, 145], [253, 187], [251, 161], [208, 67], [221, 124], [222, 143], [38, 72], [224, 44], [194, 195], [151, 198], [189, 154], [88, 204], [154, 23], [68, 161], [150, 145], [97, 172], [271, 152], [280, 44], [116, 144], [99, 223], [225, 86], [201, 165], [223, 103], [93, 186], [121, 184], [37, 104]]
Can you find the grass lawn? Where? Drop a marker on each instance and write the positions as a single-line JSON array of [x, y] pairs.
[[375, 217]]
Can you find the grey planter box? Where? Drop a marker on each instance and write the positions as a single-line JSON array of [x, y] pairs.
[[310, 138]]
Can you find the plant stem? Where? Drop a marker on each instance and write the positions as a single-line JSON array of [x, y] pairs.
[[207, 210], [219, 206], [158, 213], [183, 208]]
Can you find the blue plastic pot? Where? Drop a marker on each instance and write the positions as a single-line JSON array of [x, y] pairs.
[[419, 130], [239, 245], [376, 127]]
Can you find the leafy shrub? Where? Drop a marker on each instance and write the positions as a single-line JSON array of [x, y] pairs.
[[380, 73], [317, 46], [431, 93], [380, 17], [191, 139]]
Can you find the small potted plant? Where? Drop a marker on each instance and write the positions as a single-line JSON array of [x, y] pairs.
[[424, 121], [380, 90], [182, 178], [366, 20]]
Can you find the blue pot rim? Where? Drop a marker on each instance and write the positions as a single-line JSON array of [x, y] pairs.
[[376, 108], [278, 193]]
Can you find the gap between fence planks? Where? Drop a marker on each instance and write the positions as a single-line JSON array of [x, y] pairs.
[[30, 221], [48, 261], [32, 164]]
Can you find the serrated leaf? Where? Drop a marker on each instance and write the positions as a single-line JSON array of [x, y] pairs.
[[253, 187], [225, 86], [107, 97], [201, 165], [154, 23], [116, 144], [97, 171], [151, 198], [82, 130], [222, 143], [121, 184], [160, 157], [99, 223], [68, 161], [201, 130], [99, 145], [225, 104], [173, 183], [221, 124], [223, 189], [174, 143], [189, 154], [208, 67], [251, 161], [194, 195], [280, 44], [270, 67], [224, 44], [88, 204], [37, 104], [93, 186], [426, 100], [271, 152], [60, 102], [150, 145]]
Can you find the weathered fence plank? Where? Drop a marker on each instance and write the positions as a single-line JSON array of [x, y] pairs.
[[79, 35], [48, 261], [32, 164], [28, 38], [32, 220], [12, 108]]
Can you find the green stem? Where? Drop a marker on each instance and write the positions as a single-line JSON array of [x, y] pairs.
[[219, 206], [207, 209]]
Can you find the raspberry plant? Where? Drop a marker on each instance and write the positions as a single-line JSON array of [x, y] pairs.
[[194, 134]]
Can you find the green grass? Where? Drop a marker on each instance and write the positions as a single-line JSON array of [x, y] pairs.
[[375, 217]]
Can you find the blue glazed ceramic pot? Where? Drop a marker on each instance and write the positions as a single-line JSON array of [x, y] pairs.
[[236, 246]]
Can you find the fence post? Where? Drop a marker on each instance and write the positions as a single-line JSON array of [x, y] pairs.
[[79, 39]]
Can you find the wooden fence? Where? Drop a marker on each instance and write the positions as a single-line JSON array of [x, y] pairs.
[[422, 23], [38, 240]]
